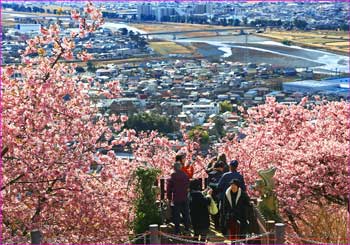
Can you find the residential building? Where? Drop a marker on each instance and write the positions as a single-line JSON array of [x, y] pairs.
[[208, 109]]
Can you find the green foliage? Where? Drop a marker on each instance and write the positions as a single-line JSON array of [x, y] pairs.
[[344, 27], [266, 22], [219, 126], [245, 20], [200, 135], [123, 31], [79, 69], [90, 66], [236, 22], [287, 42], [147, 212], [151, 121], [225, 106], [300, 24]]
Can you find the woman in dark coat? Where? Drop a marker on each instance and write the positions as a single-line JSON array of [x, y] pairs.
[[213, 180], [199, 210], [234, 212]]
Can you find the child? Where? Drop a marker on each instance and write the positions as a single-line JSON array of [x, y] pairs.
[[199, 210]]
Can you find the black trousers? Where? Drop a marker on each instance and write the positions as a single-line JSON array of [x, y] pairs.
[[183, 209]]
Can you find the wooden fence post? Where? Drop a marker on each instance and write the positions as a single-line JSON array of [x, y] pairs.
[[35, 237], [154, 234], [270, 226], [162, 240], [280, 233]]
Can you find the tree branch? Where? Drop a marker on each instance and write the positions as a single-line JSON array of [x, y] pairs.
[[4, 150], [13, 181], [41, 200], [293, 222], [40, 181]]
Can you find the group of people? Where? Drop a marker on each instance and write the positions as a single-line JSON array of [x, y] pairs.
[[226, 187]]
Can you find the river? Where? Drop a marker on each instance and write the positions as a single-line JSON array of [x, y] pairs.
[[261, 50]]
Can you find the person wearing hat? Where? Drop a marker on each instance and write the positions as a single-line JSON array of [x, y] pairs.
[[234, 211], [224, 182], [177, 191]]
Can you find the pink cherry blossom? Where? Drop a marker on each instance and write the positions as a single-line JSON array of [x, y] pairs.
[[308, 144], [123, 118], [75, 15], [51, 139], [9, 71]]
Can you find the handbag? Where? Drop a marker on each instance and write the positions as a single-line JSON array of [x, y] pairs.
[[213, 209]]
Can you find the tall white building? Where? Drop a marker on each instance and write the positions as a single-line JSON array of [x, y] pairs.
[[163, 12], [238, 13], [200, 8], [144, 10], [210, 8]]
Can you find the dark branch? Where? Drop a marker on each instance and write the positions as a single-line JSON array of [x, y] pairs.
[[13, 181]]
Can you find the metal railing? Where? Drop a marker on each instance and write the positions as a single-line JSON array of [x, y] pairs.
[[156, 236]]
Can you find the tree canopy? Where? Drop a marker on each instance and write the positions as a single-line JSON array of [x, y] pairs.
[[52, 139], [225, 106], [309, 146], [151, 121]]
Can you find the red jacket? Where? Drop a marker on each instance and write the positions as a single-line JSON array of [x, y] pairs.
[[189, 170]]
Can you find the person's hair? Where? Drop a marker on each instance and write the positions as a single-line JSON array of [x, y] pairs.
[[222, 157], [233, 167], [179, 157], [196, 185], [235, 181], [219, 164], [177, 166], [234, 164]]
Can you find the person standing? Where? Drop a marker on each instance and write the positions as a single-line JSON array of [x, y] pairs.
[[199, 212], [177, 191], [210, 166], [187, 169], [219, 158], [235, 211], [225, 180], [213, 180], [222, 158]]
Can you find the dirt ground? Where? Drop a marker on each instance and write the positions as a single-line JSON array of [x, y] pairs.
[[167, 47], [337, 41]]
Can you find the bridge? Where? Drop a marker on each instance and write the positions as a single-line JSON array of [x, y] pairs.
[[201, 30], [217, 31]]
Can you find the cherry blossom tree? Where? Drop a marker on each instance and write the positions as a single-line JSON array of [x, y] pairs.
[[51, 136], [149, 150], [309, 145]]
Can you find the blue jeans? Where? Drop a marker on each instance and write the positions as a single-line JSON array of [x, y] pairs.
[[183, 209]]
